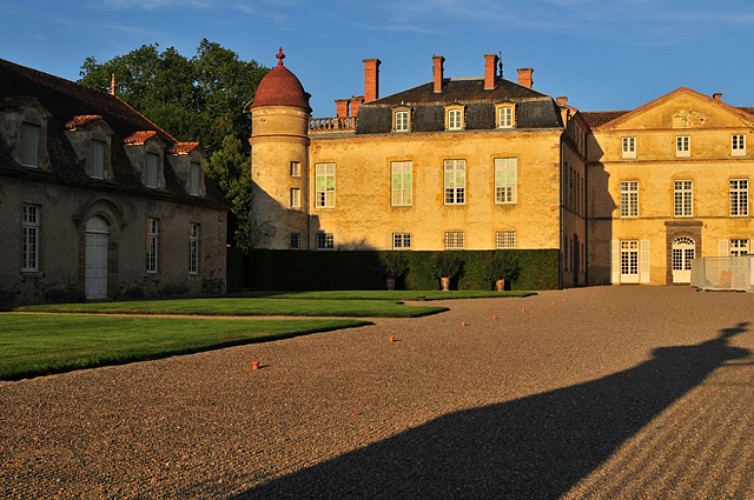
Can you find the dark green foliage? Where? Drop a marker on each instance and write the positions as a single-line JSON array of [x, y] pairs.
[[365, 270], [60, 295], [395, 264]]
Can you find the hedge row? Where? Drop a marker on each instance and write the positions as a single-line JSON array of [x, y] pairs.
[[364, 270]]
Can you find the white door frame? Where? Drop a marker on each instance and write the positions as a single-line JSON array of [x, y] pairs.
[[683, 252], [629, 261]]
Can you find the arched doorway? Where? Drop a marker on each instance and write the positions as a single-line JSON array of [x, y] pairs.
[[684, 251], [95, 274]]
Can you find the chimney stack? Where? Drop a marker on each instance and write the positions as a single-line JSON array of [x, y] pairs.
[[490, 71], [437, 72], [562, 101], [356, 102], [717, 96], [371, 79], [341, 107], [525, 77]]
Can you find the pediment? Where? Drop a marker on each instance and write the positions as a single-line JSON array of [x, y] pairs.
[[682, 109]]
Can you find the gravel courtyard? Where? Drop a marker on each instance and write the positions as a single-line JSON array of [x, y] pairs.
[[604, 392]]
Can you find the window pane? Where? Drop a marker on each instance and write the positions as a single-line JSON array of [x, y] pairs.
[[30, 144], [98, 159]]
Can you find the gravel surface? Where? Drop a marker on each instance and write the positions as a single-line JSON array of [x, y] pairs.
[[605, 392]]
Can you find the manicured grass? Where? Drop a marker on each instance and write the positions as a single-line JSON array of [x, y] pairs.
[[40, 344], [249, 306], [392, 294]]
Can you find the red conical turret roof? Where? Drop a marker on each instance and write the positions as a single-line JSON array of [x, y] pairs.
[[280, 87]]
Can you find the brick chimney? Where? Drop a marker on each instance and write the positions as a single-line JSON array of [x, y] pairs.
[[437, 72], [490, 71], [371, 79], [525, 77], [561, 100], [341, 107], [717, 96], [356, 102]]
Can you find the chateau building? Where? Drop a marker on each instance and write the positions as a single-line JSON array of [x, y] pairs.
[[97, 201]]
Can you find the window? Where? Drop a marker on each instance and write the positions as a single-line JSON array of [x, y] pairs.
[[629, 198], [683, 146], [153, 235], [152, 165], [401, 183], [628, 147], [325, 185], [295, 169], [401, 121], [455, 182], [683, 198], [454, 119], [401, 240], [739, 248], [30, 144], [193, 266], [454, 240], [505, 239], [295, 241], [738, 145], [505, 116], [30, 238], [506, 180], [195, 175], [738, 193], [97, 154], [295, 198], [325, 241]]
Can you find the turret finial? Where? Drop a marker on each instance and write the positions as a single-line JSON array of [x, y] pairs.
[[280, 56]]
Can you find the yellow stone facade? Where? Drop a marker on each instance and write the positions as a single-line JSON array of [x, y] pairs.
[[668, 182]]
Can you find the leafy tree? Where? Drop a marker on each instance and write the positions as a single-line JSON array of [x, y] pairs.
[[202, 98]]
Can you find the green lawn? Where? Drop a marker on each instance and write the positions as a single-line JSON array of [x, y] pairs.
[[249, 306], [391, 294], [40, 344]]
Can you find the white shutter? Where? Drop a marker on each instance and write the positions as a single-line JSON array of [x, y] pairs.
[[644, 261], [723, 246], [614, 261]]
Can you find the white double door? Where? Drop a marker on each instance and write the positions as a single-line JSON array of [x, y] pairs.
[[95, 276]]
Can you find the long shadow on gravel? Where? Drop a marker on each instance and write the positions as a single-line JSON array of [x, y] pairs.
[[536, 447]]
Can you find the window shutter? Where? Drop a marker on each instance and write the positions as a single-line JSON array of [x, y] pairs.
[[644, 261], [722, 246], [614, 261]]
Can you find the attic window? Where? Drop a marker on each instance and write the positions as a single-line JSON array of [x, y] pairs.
[[401, 120], [506, 116], [153, 161], [98, 159], [194, 178], [30, 144], [454, 118]]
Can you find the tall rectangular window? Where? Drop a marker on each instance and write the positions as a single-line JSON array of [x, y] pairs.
[[325, 185], [97, 154], [738, 193], [455, 182], [295, 241], [454, 119], [295, 169], [683, 198], [152, 164], [30, 238], [454, 240], [195, 176], [153, 240], [325, 241], [401, 183], [683, 146], [629, 198], [30, 144], [401, 121], [505, 239], [193, 266], [628, 148], [506, 181], [739, 248], [738, 145], [505, 117], [401, 240], [295, 198]]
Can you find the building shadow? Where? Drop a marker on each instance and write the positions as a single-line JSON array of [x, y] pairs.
[[535, 447]]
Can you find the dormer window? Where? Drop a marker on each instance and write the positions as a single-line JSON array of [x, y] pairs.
[[454, 118], [402, 119], [30, 144], [194, 177], [145, 150], [187, 160], [506, 116], [90, 137], [24, 130]]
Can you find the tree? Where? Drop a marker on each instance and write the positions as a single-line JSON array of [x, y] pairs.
[[202, 98]]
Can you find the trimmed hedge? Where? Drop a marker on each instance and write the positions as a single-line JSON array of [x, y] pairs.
[[364, 270]]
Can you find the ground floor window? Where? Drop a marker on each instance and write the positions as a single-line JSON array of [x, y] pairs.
[[30, 238], [739, 247], [454, 240], [401, 240], [505, 239], [193, 248], [325, 241], [295, 241], [153, 236]]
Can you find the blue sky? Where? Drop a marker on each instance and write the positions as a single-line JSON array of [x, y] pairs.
[[602, 54]]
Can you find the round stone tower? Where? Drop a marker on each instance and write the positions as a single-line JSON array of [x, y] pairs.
[[279, 161]]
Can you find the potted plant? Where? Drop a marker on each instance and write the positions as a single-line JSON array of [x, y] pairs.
[[396, 267], [446, 266], [502, 267]]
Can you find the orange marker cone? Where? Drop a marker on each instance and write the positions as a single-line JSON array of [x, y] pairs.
[[463, 323], [391, 338], [523, 309], [255, 365], [494, 316]]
